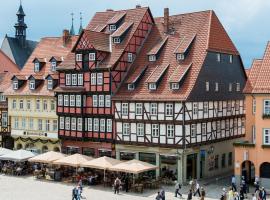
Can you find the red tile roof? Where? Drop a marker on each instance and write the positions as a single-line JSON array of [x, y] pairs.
[[122, 29], [259, 73], [5, 82], [157, 73], [210, 36], [184, 44], [100, 27], [118, 16], [41, 60], [158, 46], [68, 63], [36, 77], [179, 73], [6, 64], [136, 75], [54, 76]]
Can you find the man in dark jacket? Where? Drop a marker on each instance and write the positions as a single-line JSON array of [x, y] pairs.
[[189, 195], [74, 193]]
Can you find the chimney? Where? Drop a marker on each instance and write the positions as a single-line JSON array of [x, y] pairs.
[[166, 20], [65, 37], [138, 6]]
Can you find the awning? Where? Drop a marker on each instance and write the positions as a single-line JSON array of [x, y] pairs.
[[4, 151], [75, 160], [101, 163], [18, 156], [47, 157]]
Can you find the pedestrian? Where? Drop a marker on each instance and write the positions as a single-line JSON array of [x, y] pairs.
[[242, 196], [192, 185], [202, 193], [117, 184], [80, 184], [177, 189], [254, 197], [236, 196], [74, 193], [230, 194], [162, 194], [263, 194], [197, 189], [223, 195], [234, 183], [79, 193], [189, 197], [126, 183], [256, 184], [158, 197]]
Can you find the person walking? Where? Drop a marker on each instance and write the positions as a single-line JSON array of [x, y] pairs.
[[231, 194], [189, 197], [158, 197], [74, 193], [242, 195], [177, 189], [223, 195], [126, 183], [236, 196], [202, 193], [263, 194], [254, 197], [233, 182], [117, 184], [197, 189], [192, 185], [79, 193], [162, 194]]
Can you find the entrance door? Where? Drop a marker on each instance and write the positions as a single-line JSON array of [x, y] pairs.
[[202, 163], [191, 170]]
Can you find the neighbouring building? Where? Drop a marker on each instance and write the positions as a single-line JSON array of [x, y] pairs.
[[181, 105], [31, 98], [92, 73], [252, 154], [7, 68], [18, 48]]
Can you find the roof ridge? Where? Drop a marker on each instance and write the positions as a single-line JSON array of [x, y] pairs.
[[106, 11]]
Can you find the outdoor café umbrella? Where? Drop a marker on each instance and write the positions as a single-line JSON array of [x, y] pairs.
[[18, 156], [75, 160], [4, 151], [104, 163], [47, 157]]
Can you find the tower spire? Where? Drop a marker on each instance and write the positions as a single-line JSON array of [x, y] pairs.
[[72, 32], [20, 26], [81, 28]]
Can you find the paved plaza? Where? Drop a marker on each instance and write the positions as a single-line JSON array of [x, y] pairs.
[[28, 188]]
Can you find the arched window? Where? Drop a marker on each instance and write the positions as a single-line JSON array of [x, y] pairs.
[[44, 149], [56, 149], [19, 146], [265, 170]]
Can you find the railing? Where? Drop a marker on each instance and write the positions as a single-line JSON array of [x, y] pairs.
[[244, 144]]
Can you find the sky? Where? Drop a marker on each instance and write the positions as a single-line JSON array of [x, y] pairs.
[[244, 20]]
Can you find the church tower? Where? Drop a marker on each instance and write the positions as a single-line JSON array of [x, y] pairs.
[[20, 27]]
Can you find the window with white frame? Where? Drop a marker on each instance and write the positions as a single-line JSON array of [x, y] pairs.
[[218, 57], [2, 98], [218, 126], [193, 131], [227, 124], [140, 129], [40, 125], [237, 105], [169, 109], [230, 87], [126, 128], [78, 57], [102, 125], [180, 56], [45, 105], [207, 86], [220, 106], [195, 108], [52, 105], [131, 86], [99, 78], [14, 102], [4, 119], [47, 127], [79, 124], [124, 108], [80, 79], [229, 106], [60, 100], [138, 108], [205, 107], [78, 100], [238, 87], [28, 104], [155, 130], [15, 85], [109, 125], [108, 101], [170, 130], [112, 27], [38, 104], [31, 123], [266, 108], [50, 84], [216, 87], [74, 79], [253, 134], [152, 58], [32, 84], [66, 101], [72, 100], [62, 123], [21, 104], [116, 40], [96, 124], [253, 106], [95, 100], [152, 86], [89, 124], [23, 123], [92, 56], [53, 66], [130, 57], [153, 108], [266, 136], [73, 123], [36, 67], [230, 58], [68, 79], [16, 122], [67, 123], [55, 125], [174, 86], [235, 123], [93, 78], [101, 100], [204, 129]]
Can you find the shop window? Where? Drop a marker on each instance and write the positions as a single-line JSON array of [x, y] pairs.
[[88, 151], [216, 161], [223, 160]]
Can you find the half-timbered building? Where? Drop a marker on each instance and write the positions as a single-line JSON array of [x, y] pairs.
[[31, 99], [181, 105], [92, 73]]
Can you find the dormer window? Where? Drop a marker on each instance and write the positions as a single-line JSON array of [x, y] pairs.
[[15, 85], [78, 57], [50, 84], [174, 86], [112, 27], [92, 56], [180, 56], [130, 57], [152, 58], [37, 67], [152, 86], [116, 40], [32, 84], [131, 86], [53, 66]]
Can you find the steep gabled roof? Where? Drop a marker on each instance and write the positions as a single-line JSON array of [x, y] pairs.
[[157, 73], [184, 44], [179, 73], [6, 64], [5, 82], [122, 29], [68, 63], [117, 17], [158, 46], [136, 75]]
